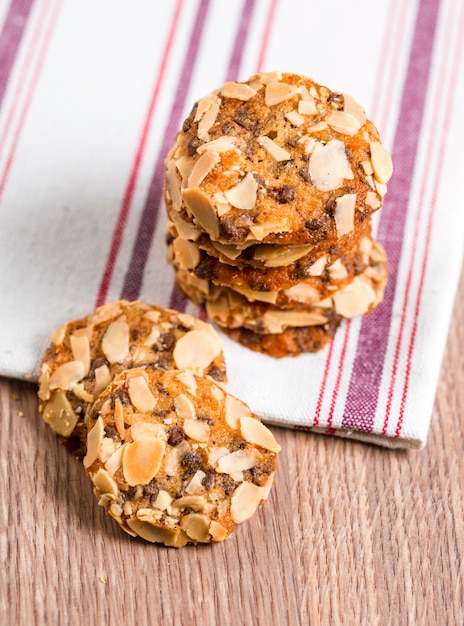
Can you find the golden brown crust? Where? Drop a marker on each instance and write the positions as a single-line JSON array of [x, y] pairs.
[[86, 354], [294, 155], [175, 459]]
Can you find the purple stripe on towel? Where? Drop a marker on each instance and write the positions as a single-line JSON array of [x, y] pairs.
[[361, 401]]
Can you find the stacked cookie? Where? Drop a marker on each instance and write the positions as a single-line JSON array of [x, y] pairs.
[[138, 393], [269, 189]]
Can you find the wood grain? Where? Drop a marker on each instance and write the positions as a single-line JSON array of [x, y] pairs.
[[352, 534]]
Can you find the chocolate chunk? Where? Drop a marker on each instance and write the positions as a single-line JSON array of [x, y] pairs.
[[121, 395], [191, 462], [166, 341], [96, 364], [286, 194], [314, 224], [176, 435], [245, 118], [193, 145], [216, 373], [209, 480], [304, 174], [111, 432]]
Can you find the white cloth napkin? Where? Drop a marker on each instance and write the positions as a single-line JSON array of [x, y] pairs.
[[91, 96]]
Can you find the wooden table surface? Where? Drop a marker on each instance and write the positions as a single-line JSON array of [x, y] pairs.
[[352, 533]]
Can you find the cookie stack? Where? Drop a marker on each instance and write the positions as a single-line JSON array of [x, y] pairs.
[[138, 393], [269, 189]]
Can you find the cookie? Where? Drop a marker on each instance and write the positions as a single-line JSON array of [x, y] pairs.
[[303, 304], [175, 459], [277, 284], [278, 159], [86, 354]]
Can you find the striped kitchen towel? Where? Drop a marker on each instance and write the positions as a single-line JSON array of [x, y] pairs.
[[91, 96]]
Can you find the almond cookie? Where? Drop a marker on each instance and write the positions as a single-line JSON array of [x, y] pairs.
[[278, 159], [274, 284], [86, 354], [175, 459], [303, 304]]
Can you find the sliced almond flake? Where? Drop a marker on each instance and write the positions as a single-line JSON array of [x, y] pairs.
[[337, 270], [221, 144], [153, 337], [245, 500], [235, 409], [197, 430], [196, 349], [141, 461], [202, 209], [196, 483], [154, 534], [294, 118], [196, 526], [217, 531], [367, 167], [80, 392], [309, 144], [153, 316], [353, 108], [270, 77], [187, 378], [260, 296], [276, 321], [184, 229], [354, 299], [59, 414], [215, 454], [228, 250], [67, 375], [307, 107], [105, 483], [318, 266], [217, 393], [58, 335], [302, 292], [329, 165], [80, 347], [258, 232], [173, 186], [273, 149], [44, 379], [281, 256], [105, 313], [238, 91], [194, 502], [114, 462], [365, 245], [184, 407], [209, 119], [205, 164], [163, 500], [140, 394], [256, 432], [146, 430], [221, 203], [94, 442], [277, 92], [317, 128], [108, 448], [204, 105], [325, 304], [381, 162], [237, 461], [102, 379], [243, 195], [372, 200], [343, 122], [184, 165], [186, 253], [115, 341], [344, 213], [381, 188]]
